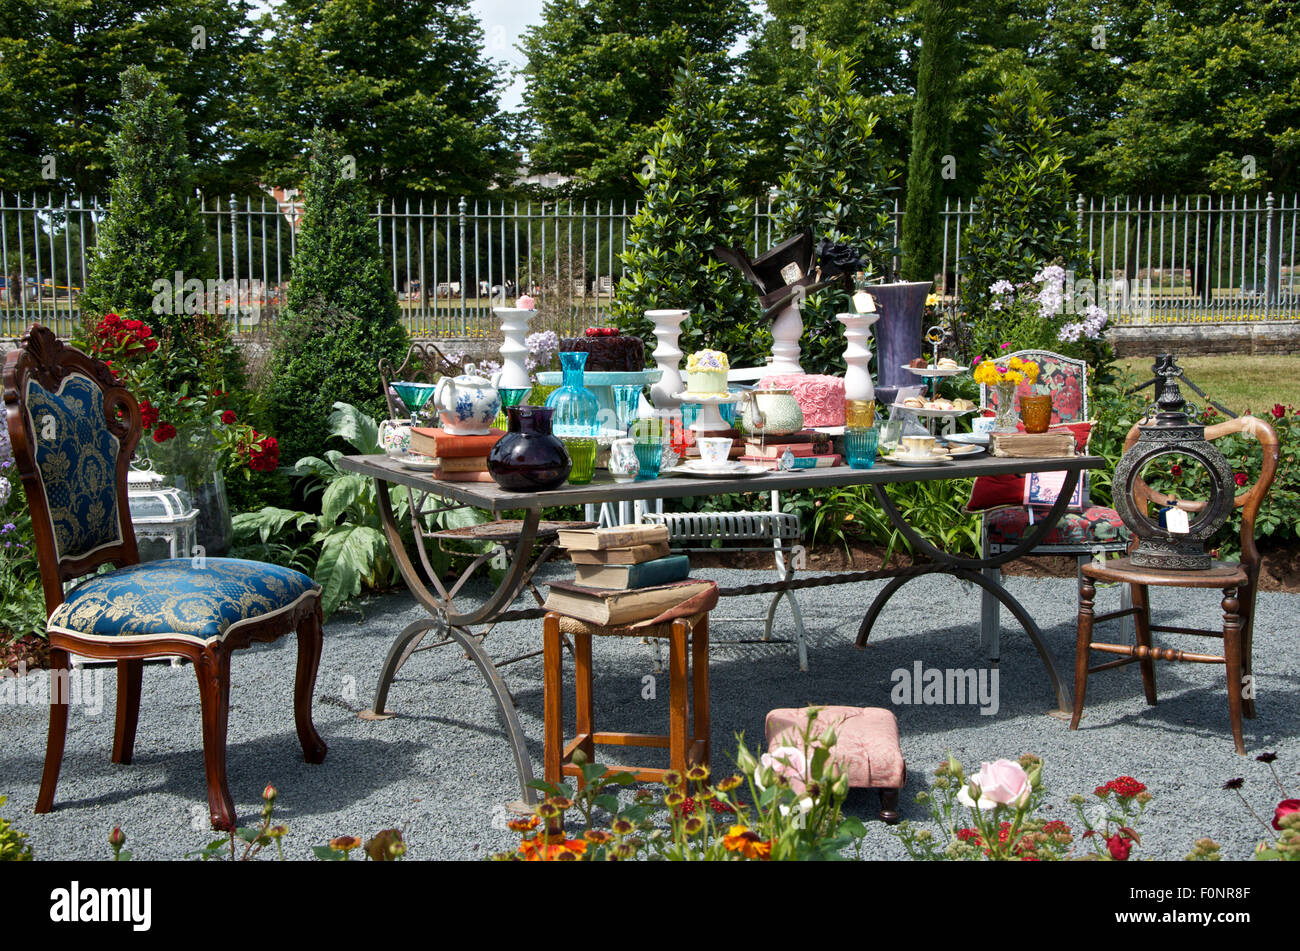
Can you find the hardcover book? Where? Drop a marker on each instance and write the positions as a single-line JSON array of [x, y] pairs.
[[647, 574], [610, 607], [623, 536], [633, 555], [437, 443]]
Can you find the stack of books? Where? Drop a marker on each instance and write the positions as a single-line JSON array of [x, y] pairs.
[[460, 458], [623, 575], [812, 447]]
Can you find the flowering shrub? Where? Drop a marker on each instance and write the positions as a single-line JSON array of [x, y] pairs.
[[1043, 314], [1002, 801], [22, 600], [189, 424], [792, 812], [1284, 829]]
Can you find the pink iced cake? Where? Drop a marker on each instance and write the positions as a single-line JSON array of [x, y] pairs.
[[820, 397]]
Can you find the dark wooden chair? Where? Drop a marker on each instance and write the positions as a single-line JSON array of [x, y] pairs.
[[1239, 582], [74, 429]]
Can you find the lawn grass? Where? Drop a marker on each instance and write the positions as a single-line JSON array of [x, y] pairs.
[[1239, 382]]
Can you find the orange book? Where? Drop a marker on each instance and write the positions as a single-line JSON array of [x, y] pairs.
[[439, 444], [462, 476]]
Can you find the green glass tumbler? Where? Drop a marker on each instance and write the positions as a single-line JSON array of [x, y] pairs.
[[582, 450]]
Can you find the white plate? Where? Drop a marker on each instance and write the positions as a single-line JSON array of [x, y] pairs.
[[921, 411], [709, 399], [935, 371], [969, 439], [418, 463], [931, 460], [730, 472], [964, 449]]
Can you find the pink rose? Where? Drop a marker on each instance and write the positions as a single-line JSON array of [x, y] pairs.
[[526, 303], [1002, 783], [787, 761], [1284, 808]]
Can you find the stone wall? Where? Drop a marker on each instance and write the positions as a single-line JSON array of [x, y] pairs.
[[1193, 340]]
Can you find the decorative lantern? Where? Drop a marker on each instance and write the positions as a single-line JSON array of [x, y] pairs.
[[165, 522], [1171, 432]]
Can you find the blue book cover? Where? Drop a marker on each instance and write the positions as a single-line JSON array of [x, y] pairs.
[[647, 574]]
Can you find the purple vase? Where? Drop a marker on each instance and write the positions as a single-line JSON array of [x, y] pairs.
[[529, 457], [898, 333]]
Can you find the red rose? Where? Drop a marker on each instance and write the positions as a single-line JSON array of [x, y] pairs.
[[1176, 471], [148, 414], [151, 345], [1119, 847], [144, 332], [164, 432], [132, 324], [1278, 411], [1241, 478], [1284, 808], [228, 417]]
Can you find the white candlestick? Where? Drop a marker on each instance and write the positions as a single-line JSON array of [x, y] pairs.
[[514, 351], [857, 355], [787, 328], [668, 356]]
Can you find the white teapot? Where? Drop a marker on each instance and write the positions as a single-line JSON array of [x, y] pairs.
[[466, 404]]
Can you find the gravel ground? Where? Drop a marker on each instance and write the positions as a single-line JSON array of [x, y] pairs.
[[443, 770]]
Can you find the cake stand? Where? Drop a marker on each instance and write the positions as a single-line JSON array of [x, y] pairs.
[[709, 420], [931, 417], [599, 382]]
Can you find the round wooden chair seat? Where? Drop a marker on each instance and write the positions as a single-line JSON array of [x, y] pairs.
[[1221, 574]]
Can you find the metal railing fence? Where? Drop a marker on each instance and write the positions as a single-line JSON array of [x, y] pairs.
[[1171, 259]]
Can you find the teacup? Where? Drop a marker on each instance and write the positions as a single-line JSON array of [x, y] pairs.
[[982, 424], [918, 447], [714, 451]]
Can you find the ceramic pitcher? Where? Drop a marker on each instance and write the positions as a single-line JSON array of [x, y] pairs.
[[771, 412]]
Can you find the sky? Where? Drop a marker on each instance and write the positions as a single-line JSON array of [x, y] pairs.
[[504, 22]]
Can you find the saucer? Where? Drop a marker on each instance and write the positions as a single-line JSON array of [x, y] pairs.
[[418, 463], [927, 460]]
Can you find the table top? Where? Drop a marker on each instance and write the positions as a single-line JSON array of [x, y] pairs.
[[491, 497]]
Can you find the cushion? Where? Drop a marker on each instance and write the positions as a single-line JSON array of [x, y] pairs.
[[173, 597], [1094, 525], [866, 741]]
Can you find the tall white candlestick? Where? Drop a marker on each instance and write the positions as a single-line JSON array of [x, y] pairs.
[[857, 355], [668, 356], [787, 328], [514, 351]]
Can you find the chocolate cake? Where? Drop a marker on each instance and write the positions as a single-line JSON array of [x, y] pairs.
[[608, 350]]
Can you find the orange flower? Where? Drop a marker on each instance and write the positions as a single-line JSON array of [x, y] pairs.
[[524, 825], [542, 850], [345, 843], [740, 839]]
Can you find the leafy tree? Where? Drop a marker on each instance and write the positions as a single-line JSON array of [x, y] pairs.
[[59, 66], [403, 84], [922, 237], [691, 204], [1022, 218], [341, 315], [599, 77], [152, 229], [839, 185], [1215, 84]]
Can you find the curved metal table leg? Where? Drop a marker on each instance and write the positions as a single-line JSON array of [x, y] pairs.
[[402, 648], [800, 645]]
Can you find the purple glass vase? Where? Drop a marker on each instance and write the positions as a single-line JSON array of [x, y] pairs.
[[529, 457]]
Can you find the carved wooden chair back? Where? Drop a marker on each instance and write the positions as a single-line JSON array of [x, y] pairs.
[[74, 428]]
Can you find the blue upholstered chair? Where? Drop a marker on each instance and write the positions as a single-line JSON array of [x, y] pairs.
[[74, 429]]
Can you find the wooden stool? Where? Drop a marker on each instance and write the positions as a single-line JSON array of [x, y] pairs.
[[685, 747]]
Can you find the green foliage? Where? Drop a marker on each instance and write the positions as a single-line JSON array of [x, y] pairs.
[[922, 237], [341, 315], [404, 86], [153, 228], [1022, 219], [343, 546], [22, 599], [691, 204], [599, 76], [13, 844], [840, 186]]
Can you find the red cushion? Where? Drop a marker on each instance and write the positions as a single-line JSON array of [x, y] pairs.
[[995, 491], [1094, 525]]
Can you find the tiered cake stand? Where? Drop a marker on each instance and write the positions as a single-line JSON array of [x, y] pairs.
[[709, 420]]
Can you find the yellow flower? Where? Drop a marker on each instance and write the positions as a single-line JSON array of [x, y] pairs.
[[932, 300]]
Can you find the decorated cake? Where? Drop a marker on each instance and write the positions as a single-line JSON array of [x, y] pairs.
[[706, 373], [820, 397], [608, 350]]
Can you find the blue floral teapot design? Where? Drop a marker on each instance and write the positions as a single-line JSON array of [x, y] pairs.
[[466, 404]]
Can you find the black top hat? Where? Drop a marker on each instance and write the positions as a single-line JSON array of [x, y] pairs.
[[782, 272]]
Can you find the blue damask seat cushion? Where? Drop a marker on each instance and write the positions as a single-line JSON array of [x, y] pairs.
[[174, 596]]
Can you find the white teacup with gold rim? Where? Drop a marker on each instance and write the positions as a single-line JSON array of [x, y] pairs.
[[916, 447]]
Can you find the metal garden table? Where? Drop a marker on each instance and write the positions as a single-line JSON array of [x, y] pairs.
[[514, 543]]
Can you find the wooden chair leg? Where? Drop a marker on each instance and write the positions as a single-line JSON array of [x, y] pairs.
[[677, 702], [582, 689], [1246, 597], [552, 699], [1232, 656], [130, 678], [889, 805], [1087, 592], [58, 731], [700, 722], [213, 671], [1142, 634], [311, 638]]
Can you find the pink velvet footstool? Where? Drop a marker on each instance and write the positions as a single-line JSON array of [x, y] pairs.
[[866, 743]]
